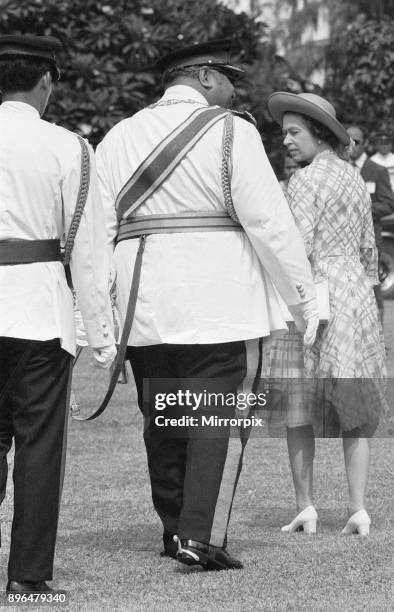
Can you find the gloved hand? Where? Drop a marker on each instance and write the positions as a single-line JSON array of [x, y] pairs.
[[306, 318], [80, 332], [104, 356]]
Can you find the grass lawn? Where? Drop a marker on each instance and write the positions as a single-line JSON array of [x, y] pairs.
[[110, 537]]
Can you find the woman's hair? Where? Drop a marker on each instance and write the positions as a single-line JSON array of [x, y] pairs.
[[321, 132]]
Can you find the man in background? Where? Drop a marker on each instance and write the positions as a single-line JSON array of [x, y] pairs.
[[378, 184], [384, 155], [289, 167]]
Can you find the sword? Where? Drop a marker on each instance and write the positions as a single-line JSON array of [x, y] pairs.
[[74, 405]]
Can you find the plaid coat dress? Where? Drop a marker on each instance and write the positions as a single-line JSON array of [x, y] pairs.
[[340, 381]]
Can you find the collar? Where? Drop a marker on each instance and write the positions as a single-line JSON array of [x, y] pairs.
[[360, 161], [386, 157], [324, 153], [184, 92], [20, 107]]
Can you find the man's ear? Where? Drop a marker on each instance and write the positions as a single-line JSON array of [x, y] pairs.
[[205, 78], [46, 80], [44, 90]]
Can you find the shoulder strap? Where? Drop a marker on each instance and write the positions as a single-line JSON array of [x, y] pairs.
[[227, 149], [153, 171], [81, 201], [245, 115]]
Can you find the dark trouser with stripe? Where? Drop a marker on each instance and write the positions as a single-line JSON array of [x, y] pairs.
[[193, 477], [34, 413]]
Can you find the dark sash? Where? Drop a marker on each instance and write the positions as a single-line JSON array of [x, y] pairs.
[[157, 167]]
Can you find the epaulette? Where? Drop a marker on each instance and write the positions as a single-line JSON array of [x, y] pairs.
[[245, 115]]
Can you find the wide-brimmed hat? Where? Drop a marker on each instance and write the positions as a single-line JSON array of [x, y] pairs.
[[213, 53], [310, 105]]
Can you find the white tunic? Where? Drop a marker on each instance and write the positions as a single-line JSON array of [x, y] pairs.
[[39, 181], [203, 287]]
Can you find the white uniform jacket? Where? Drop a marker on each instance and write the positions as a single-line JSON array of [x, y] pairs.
[[40, 167], [203, 287]]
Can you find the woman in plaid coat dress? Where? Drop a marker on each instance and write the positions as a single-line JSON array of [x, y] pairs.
[[341, 378]]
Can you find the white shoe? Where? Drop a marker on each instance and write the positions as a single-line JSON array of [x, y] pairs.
[[359, 523], [304, 521]]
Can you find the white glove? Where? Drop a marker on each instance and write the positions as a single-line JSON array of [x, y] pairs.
[[306, 318], [104, 356], [80, 332]]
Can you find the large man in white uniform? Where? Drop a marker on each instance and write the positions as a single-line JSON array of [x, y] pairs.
[[203, 291], [40, 175]]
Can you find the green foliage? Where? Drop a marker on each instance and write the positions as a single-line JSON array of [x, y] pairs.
[[360, 77], [302, 18], [110, 49], [358, 59]]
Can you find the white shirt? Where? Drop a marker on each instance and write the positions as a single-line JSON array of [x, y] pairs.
[[388, 162], [39, 181], [360, 161], [203, 287]]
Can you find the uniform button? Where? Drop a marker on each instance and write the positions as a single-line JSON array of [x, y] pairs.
[[300, 290]]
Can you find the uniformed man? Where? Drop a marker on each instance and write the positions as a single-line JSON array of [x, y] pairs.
[[40, 177], [193, 183], [384, 155], [377, 180]]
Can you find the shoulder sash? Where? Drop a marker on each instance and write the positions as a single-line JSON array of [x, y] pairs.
[[159, 164]]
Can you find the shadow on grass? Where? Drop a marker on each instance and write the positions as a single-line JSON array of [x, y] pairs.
[[138, 537]]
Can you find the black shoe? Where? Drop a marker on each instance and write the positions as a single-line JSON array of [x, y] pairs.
[[211, 558], [13, 586], [170, 547]]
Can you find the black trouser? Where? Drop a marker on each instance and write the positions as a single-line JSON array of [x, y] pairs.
[[193, 474], [34, 414]]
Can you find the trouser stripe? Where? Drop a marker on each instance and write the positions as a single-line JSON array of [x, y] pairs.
[[64, 446], [226, 492]]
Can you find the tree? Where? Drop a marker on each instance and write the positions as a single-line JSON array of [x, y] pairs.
[[357, 58], [360, 73], [110, 49]]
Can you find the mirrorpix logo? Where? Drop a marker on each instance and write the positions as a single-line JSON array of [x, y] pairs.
[[208, 400]]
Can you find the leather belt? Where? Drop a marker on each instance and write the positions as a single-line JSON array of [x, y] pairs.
[[134, 227], [14, 252]]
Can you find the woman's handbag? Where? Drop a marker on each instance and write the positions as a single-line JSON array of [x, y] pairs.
[[323, 300]]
